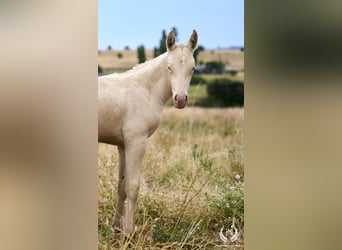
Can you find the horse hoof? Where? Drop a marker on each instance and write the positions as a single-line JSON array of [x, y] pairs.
[[131, 239]]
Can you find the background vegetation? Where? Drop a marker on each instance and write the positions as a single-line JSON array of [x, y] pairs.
[[141, 54]]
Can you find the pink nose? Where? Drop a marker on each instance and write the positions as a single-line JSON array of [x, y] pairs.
[[180, 101]]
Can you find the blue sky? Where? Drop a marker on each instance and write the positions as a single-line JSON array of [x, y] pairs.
[[219, 23]]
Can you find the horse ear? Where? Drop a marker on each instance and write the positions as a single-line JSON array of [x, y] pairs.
[[171, 40], [192, 44]]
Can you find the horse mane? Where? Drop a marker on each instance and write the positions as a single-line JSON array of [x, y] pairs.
[[154, 61], [147, 63]]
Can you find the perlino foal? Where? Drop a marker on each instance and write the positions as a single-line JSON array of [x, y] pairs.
[[129, 110]]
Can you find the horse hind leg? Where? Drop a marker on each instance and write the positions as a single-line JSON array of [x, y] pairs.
[[121, 189]]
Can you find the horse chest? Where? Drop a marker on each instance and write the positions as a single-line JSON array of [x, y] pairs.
[[144, 123], [143, 112], [153, 127]]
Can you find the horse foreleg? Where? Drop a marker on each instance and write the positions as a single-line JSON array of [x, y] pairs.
[[121, 188], [134, 150]]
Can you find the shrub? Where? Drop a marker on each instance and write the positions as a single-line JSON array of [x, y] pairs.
[[197, 79], [99, 69], [233, 72], [226, 92], [214, 67], [119, 55]]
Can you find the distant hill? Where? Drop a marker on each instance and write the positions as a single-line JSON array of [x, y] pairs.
[[233, 59], [122, 60]]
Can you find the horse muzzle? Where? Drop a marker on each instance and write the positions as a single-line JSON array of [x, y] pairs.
[[180, 101]]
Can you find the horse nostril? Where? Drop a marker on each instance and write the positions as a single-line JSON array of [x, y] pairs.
[[183, 98]]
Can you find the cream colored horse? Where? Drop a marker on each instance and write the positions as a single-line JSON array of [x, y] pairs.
[[129, 110]]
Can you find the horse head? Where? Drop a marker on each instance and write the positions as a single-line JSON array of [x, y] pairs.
[[180, 67]]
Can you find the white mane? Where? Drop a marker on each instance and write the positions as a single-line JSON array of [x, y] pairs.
[[148, 64]]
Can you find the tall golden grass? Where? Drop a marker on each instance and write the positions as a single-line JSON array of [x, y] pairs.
[[191, 187]]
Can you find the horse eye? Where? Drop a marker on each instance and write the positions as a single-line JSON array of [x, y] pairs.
[[169, 68]]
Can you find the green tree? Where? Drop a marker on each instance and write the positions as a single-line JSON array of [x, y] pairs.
[[162, 43], [176, 33], [155, 52], [141, 54], [197, 51]]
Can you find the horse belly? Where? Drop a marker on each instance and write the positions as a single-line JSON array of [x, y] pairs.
[[112, 140], [110, 122], [110, 134]]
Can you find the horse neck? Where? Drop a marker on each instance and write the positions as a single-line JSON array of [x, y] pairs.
[[155, 78]]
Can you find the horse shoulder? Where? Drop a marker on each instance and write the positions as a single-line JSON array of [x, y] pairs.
[[141, 117]]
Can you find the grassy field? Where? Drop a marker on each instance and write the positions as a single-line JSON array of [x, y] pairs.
[[122, 60], [192, 183], [209, 77]]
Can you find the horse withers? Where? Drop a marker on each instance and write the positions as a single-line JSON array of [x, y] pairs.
[[130, 106]]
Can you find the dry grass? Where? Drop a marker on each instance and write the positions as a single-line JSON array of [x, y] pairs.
[[109, 59], [233, 58], [240, 76], [189, 188]]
